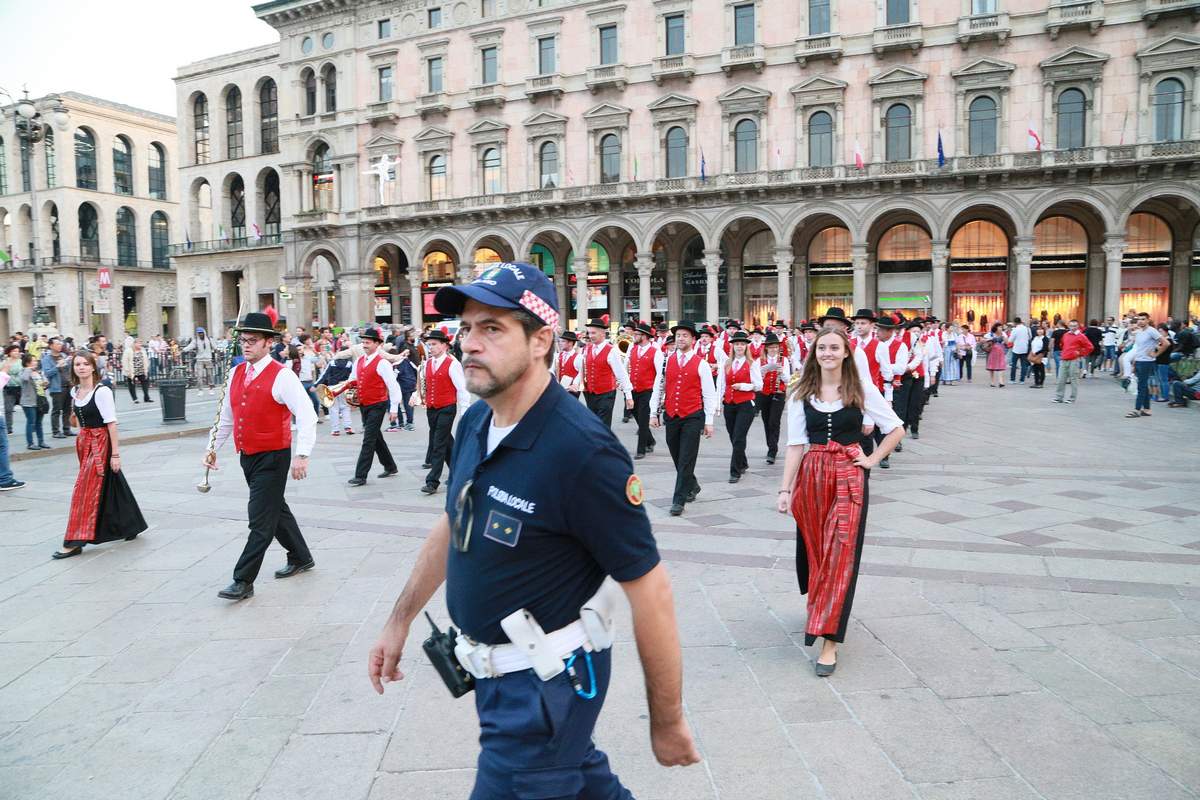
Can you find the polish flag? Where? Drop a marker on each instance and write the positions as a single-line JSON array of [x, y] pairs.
[[1035, 141], [858, 155]]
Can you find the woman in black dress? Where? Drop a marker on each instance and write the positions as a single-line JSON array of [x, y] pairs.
[[103, 508]]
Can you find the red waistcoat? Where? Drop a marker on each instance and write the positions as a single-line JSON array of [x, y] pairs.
[[893, 351], [598, 373], [871, 351], [771, 382], [371, 388], [439, 389], [785, 349], [260, 425], [754, 350], [684, 396], [741, 375], [641, 369], [566, 363]]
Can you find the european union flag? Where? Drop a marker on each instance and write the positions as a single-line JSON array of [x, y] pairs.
[[941, 152]]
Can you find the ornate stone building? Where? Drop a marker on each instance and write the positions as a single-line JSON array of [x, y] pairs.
[[706, 158], [96, 198]]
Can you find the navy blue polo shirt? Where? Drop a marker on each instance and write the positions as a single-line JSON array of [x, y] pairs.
[[551, 516]]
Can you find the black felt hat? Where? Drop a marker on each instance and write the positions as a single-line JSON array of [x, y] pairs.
[[686, 325], [256, 322], [834, 313]]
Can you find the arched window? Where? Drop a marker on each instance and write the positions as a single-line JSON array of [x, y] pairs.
[[237, 208], [745, 146], [1059, 236], [85, 159], [157, 171], [610, 159], [820, 140], [548, 165], [898, 139], [905, 242], [437, 177], [200, 128], [677, 155], [122, 165], [3, 173], [126, 238], [1072, 113], [492, 183], [1147, 233], [310, 92], [233, 123], [268, 111], [981, 242], [322, 178], [981, 133], [329, 80], [160, 235], [51, 159], [271, 204], [1168, 110], [830, 246], [89, 233]]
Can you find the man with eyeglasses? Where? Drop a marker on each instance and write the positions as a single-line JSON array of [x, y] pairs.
[[520, 555], [261, 399]]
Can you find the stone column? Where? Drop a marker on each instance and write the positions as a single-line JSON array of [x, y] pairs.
[[616, 292], [645, 268], [1114, 251], [1180, 282], [560, 290], [415, 297], [580, 268], [858, 259], [735, 288], [712, 273], [674, 292], [1019, 304], [1094, 283], [799, 290], [783, 277], [940, 298]]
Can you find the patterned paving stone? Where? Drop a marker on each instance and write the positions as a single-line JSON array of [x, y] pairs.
[[1029, 538], [1015, 505], [942, 517]]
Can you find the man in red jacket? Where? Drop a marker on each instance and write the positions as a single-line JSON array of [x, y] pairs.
[[1075, 349]]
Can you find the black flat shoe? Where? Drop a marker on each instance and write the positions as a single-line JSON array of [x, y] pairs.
[[387, 473], [690, 497], [295, 569], [734, 478], [650, 449], [132, 537], [770, 459], [357, 481], [426, 465], [824, 670], [676, 510], [884, 464], [916, 435], [58, 554], [238, 590], [639, 456], [899, 448], [428, 488]]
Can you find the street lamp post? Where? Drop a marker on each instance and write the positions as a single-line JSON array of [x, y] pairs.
[[30, 123]]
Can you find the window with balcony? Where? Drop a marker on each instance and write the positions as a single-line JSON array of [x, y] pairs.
[[898, 133], [268, 112], [85, 158], [608, 44], [491, 166], [322, 178], [122, 165], [897, 12], [271, 214], [26, 165], [745, 146], [610, 159], [435, 18], [126, 238], [676, 43], [434, 74], [983, 7], [310, 92], [199, 130], [1167, 101], [820, 140], [385, 83], [548, 165], [547, 61], [743, 24], [383, 29], [982, 119], [436, 172], [237, 208], [156, 172], [1071, 110], [818, 17], [160, 236], [233, 123], [89, 232], [51, 165], [677, 155], [329, 80], [488, 65]]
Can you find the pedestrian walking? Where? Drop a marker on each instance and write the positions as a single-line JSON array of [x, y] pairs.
[[1162, 365], [645, 364], [11, 366], [525, 563], [8, 481], [202, 346], [34, 404], [379, 396], [56, 390], [1076, 348], [443, 389], [1039, 348], [996, 346], [738, 381], [103, 508], [337, 371], [1018, 342], [967, 344], [776, 371], [135, 364], [951, 363], [825, 484]]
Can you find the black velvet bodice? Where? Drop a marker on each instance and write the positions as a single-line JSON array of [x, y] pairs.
[[88, 414], [843, 426]]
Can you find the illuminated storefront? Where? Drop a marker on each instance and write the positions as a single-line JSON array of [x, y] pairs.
[[978, 274], [1146, 267], [695, 284], [830, 272], [597, 282], [1058, 276], [439, 272], [905, 265], [760, 282], [1194, 288]]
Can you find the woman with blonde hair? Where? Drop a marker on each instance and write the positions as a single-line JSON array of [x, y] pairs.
[[825, 482]]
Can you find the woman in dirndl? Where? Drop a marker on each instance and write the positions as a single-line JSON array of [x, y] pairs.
[[103, 508], [825, 483]]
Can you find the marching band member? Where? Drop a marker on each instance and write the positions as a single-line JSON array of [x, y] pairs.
[[569, 364], [707, 349], [336, 371], [808, 332], [378, 395], [738, 380], [689, 401], [918, 369], [603, 372], [894, 358], [645, 365], [442, 390], [731, 327], [755, 349], [776, 371]]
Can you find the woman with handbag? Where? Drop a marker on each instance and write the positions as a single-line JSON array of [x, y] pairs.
[[1038, 347], [995, 344], [34, 404]]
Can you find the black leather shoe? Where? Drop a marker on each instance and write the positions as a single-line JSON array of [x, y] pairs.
[[824, 670], [899, 448], [639, 456], [770, 459], [743, 470], [735, 478], [294, 569], [238, 590], [650, 449], [357, 481], [676, 510], [884, 464], [916, 435], [58, 554], [387, 473], [428, 488], [426, 465], [691, 496]]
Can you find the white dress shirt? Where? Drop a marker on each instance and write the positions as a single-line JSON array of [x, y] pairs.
[[575, 356], [755, 384], [457, 377], [784, 364], [708, 390], [618, 367], [383, 368], [876, 411], [286, 390], [895, 369]]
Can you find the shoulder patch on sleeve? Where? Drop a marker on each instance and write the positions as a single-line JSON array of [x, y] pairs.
[[633, 490]]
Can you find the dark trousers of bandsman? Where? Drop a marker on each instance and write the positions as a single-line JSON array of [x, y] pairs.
[[641, 413]]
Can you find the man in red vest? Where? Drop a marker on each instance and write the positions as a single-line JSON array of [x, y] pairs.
[[898, 382], [603, 373], [379, 395], [443, 389], [738, 380], [645, 365], [776, 372], [689, 402], [569, 364], [261, 399]]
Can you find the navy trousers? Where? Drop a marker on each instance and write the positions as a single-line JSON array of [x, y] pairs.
[[536, 737]]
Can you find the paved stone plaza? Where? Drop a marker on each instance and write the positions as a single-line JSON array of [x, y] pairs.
[[1027, 626]]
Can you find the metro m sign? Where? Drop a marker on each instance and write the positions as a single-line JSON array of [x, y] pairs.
[[105, 277]]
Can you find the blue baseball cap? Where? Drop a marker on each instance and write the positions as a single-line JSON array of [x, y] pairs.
[[517, 286]]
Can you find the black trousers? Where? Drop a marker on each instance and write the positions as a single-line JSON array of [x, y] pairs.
[[441, 440], [1039, 373], [134, 381], [601, 405], [738, 419], [60, 412], [641, 411], [269, 515], [916, 403], [683, 440], [373, 443], [900, 395], [770, 408]]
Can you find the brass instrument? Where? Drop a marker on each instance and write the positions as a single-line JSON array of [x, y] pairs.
[[624, 341], [327, 394]]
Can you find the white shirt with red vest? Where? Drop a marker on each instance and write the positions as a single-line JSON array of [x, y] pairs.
[[603, 370], [880, 368], [897, 358], [259, 415], [688, 387], [444, 382], [568, 366], [739, 380], [376, 381], [645, 364], [775, 381]]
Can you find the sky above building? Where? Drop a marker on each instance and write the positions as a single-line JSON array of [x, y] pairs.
[[128, 51]]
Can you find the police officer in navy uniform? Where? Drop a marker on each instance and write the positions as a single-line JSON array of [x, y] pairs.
[[518, 553]]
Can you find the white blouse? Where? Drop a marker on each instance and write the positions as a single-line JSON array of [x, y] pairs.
[[877, 411], [106, 403]]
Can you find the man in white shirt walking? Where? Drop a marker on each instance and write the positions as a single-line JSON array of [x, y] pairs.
[[378, 395], [689, 401]]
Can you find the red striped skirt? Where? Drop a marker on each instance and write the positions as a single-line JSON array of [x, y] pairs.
[[91, 446]]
